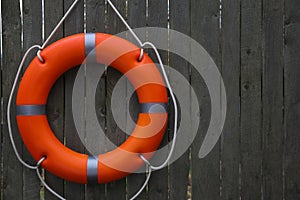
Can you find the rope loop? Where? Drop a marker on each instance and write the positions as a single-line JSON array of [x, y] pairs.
[[40, 161], [141, 55], [38, 54], [42, 179], [9, 107], [40, 48]]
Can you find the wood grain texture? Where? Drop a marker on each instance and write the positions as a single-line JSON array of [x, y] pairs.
[[114, 133], [32, 33], [1, 117], [32, 27], [257, 51], [272, 91], [179, 170], [205, 29], [251, 95], [230, 139], [96, 17], [55, 105], [158, 17], [291, 100], [95, 22], [74, 24], [136, 18], [11, 35]]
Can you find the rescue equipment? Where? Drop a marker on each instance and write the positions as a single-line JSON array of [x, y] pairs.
[[59, 58]]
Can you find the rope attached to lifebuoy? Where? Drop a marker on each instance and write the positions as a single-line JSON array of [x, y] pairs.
[[31, 108]]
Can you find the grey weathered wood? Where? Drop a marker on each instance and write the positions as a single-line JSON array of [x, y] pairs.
[[95, 22], [32, 28], [72, 190], [55, 105], [113, 24], [136, 13], [291, 100], [98, 191], [273, 99], [230, 142], [73, 24], [12, 169], [95, 16], [1, 148], [261, 130], [206, 171], [1, 117], [136, 18], [158, 17], [179, 170], [251, 94], [117, 189], [75, 21], [32, 32]]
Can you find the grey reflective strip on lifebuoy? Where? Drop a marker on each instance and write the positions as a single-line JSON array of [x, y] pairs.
[[90, 44], [154, 108], [31, 110], [92, 170]]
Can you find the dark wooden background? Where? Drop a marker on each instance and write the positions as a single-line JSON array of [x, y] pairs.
[[255, 44]]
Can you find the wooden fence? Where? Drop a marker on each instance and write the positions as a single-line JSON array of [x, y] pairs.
[[255, 44]]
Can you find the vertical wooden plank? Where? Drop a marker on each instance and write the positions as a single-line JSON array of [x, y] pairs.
[[230, 139], [95, 16], [73, 24], [117, 189], [251, 119], [136, 18], [273, 12], [158, 17], [292, 100], [179, 170], [55, 105], [75, 21], [32, 33], [12, 169], [206, 171], [95, 22], [32, 28], [1, 113]]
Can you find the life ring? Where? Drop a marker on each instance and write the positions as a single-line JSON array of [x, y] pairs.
[[64, 55]]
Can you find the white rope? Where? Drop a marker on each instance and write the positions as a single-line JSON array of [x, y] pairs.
[[13, 91], [166, 80], [60, 23], [142, 45], [144, 184], [10, 129], [171, 93], [175, 109], [9, 107], [43, 181], [55, 30], [125, 23]]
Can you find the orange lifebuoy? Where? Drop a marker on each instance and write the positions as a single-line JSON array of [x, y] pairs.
[[62, 56]]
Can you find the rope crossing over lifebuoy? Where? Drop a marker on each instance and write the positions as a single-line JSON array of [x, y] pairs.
[[59, 58], [52, 62]]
